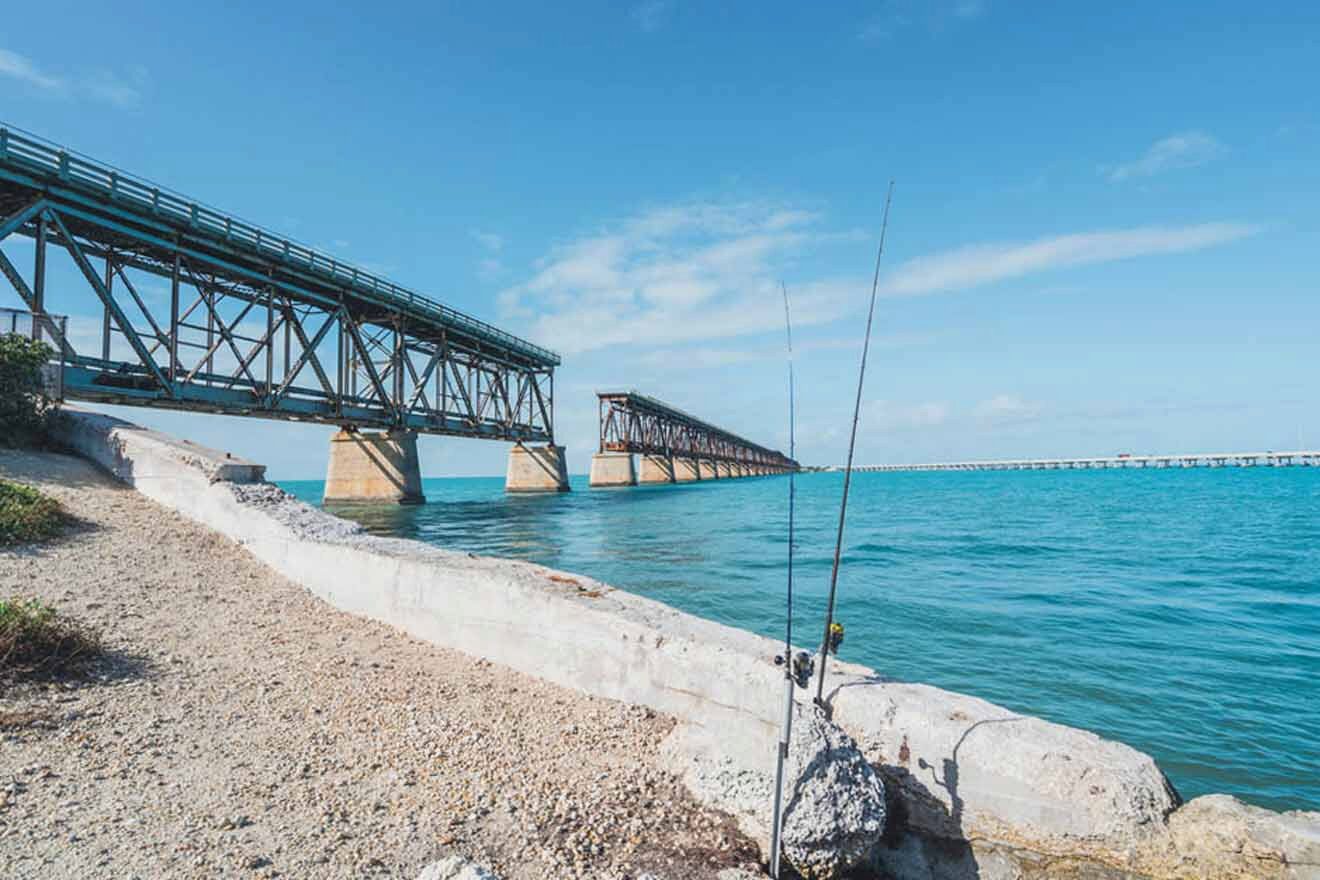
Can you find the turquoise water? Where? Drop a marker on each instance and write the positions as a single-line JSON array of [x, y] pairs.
[[1177, 611]]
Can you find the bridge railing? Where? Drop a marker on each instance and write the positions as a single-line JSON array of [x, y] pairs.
[[35, 154]]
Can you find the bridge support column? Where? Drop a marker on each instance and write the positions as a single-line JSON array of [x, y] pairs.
[[612, 469], [686, 470], [707, 469], [378, 466], [724, 470], [656, 469], [537, 469]]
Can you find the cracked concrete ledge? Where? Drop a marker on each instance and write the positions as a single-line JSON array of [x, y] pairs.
[[976, 791]]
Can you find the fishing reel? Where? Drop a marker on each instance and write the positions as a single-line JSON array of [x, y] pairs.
[[803, 667], [835, 638]]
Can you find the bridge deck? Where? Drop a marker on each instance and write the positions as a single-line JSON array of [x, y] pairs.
[[382, 355], [1306, 457]]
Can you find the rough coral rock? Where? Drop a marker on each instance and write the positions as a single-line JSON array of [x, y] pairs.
[[1217, 835], [834, 800], [455, 868]]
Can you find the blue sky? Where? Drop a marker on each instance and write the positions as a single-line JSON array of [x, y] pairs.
[[1103, 235]]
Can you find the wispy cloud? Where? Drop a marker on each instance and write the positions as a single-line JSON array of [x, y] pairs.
[[886, 415], [20, 68], [986, 263], [119, 89], [968, 9], [491, 241], [651, 14], [680, 273], [895, 16], [705, 357], [1007, 409], [489, 267], [1187, 149]]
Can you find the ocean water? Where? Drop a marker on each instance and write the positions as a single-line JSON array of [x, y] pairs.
[[1174, 610]]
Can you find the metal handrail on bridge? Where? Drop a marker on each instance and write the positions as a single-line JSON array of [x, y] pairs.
[[36, 154]]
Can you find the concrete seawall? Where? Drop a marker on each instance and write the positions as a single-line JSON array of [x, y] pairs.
[[978, 791]]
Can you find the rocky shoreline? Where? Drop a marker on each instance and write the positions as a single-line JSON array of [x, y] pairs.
[[243, 727], [972, 790]]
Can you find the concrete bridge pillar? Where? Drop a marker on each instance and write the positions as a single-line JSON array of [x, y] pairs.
[[707, 469], [656, 469], [725, 470], [686, 470], [612, 469], [537, 469], [377, 466]]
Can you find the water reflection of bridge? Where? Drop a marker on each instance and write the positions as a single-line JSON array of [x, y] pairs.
[[1297, 458]]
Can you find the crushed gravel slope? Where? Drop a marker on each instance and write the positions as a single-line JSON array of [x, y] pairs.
[[241, 727]]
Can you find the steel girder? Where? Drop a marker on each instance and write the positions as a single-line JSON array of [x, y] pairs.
[[634, 423], [244, 334]]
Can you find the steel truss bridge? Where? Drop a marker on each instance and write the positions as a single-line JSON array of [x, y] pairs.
[[248, 322], [1301, 458], [634, 423]]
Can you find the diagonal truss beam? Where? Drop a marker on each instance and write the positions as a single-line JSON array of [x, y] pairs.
[[10, 271], [134, 340]]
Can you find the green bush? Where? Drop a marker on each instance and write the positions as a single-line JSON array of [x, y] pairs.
[[35, 638], [27, 515], [25, 407]]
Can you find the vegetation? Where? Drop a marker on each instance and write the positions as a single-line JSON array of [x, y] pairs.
[[25, 407], [27, 515], [35, 638]]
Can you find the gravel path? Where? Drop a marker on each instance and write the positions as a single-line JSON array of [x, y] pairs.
[[242, 727]]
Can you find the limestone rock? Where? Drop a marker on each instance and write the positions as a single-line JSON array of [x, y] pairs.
[[834, 802], [1217, 835], [455, 868]]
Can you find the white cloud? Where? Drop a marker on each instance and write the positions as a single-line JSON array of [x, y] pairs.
[[1184, 150], [20, 68], [982, 264], [679, 273]]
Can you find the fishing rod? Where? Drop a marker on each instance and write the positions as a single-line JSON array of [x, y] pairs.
[[830, 638], [785, 732]]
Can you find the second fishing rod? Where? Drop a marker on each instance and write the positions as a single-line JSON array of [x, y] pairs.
[[832, 635]]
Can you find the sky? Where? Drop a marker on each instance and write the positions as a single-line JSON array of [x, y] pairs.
[[1103, 236]]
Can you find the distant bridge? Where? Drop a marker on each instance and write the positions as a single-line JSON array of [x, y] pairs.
[[1301, 458], [673, 445], [249, 322]]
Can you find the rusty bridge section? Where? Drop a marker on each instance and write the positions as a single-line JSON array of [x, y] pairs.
[[671, 440], [199, 310]]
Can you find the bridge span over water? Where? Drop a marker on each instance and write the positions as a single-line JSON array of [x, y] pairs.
[[1297, 458], [202, 311], [673, 446]]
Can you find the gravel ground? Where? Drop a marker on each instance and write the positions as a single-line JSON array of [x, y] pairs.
[[242, 727]]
